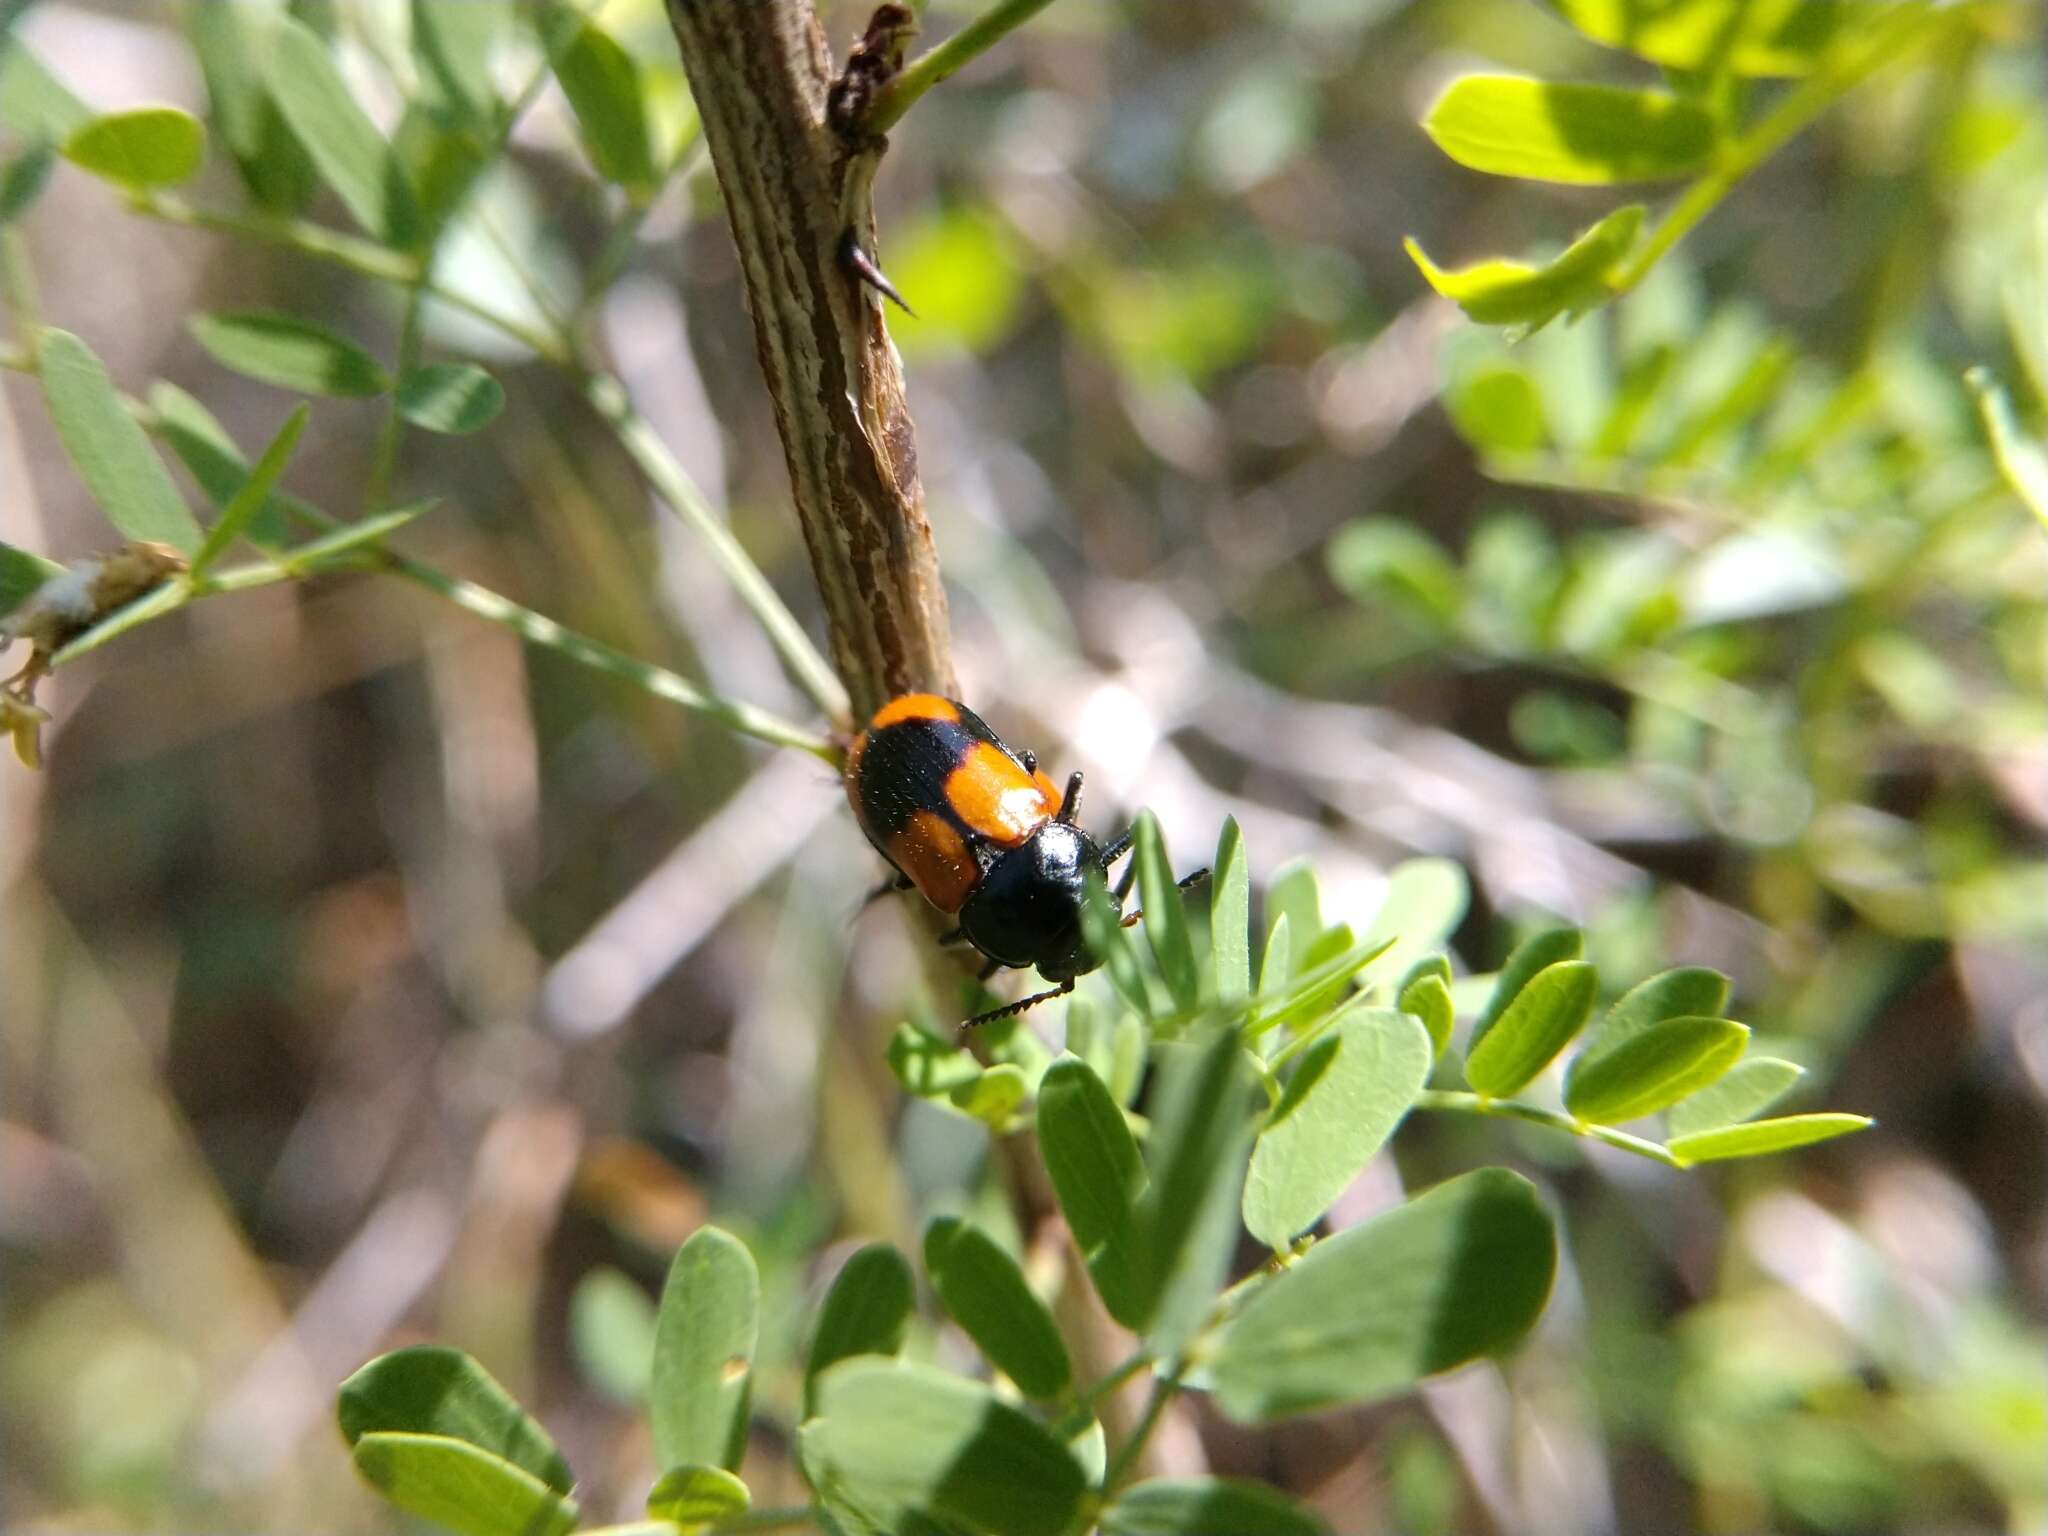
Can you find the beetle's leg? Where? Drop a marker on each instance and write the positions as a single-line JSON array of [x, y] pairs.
[[989, 970], [1010, 1009], [1124, 880], [1070, 806], [888, 887], [1185, 882], [1118, 847]]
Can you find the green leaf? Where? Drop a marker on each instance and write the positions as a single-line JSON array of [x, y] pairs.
[[1426, 992], [1093, 1163], [1320, 1138], [34, 104], [350, 154], [984, 1291], [1425, 901], [145, 147], [1110, 942], [1580, 135], [697, 1496], [453, 45], [1538, 1024], [1759, 37], [1230, 916], [1166, 918], [2023, 462], [603, 86], [21, 573], [111, 452], [1374, 558], [1654, 1069], [1324, 979], [290, 353], [229, 39], [1541, 949], [1687, 992], [254, 494], [1187, 1218], [611, 1334], [368, 533], [457, 1485], [893, 1442], [211, 457], [1207, 1506], [867, 1312], [927, 1066], [1277, 962], [1761, 1136], [22, 182], [1750, 1089], [429, 1390], [704, 1334], [455, 398], [1294, 895], [1456, 1273], [993, 1095], [1502, 292]]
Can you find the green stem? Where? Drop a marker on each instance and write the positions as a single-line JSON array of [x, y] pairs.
[[1800, 106], [1510, 1109], [357, 255], [608, 397], [1125, 1462], [384, 459], [659, 681], [940, 63]]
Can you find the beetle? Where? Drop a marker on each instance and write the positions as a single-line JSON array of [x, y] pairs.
[[977, 829]]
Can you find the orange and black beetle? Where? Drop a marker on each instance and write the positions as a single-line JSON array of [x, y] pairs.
[[983, 835]]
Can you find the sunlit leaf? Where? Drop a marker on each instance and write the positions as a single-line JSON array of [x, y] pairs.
[[1502, 292], [603, 85], [1346, 1096], [1096, 1172], [1230, 915], [985, 1292], [289, 352], [459, 1486], [455, 398], [926, 1065], [1207, 1506], [428, 1390], [867, 1312], [697, 1496], [1654, 1069], [2022, 460], [1425, 992], [1166, 921], [1751, 37], [1187, 1218], [890, 1442], [142, 148], [1582, 135], [704, 1336], [1424, 903], [1752, 1087], [1758, 1137], [1459, 1272], [1544, 948], [230, 41], [1538, 1024], [350, 154], [112, 454], [992, 1095]]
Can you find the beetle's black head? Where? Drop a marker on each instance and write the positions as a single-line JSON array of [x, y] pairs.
[[1027, 909]]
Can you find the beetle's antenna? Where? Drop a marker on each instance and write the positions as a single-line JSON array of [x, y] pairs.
[[1070, 806], [1182, 884], [1011, 1009]]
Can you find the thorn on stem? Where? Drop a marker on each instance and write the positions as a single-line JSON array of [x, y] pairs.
[[863, 266]]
